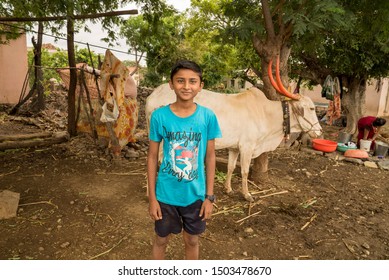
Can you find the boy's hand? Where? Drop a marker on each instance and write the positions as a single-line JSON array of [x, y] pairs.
[[155, 210], [206, 210]]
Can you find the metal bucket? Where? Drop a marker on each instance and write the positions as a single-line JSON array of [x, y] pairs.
[[365, 145], [381, 149], [344, 137]]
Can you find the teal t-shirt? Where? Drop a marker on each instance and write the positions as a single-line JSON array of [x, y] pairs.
[[181, 177]]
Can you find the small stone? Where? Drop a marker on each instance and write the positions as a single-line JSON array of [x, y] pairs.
[[248, 230], [72, 202], [65, 245], [365, 245], [370, 164], [131, 154], [245, 254], [41, 249], [86, 209]]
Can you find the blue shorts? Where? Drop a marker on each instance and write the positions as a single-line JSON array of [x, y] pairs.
[[176, 218]]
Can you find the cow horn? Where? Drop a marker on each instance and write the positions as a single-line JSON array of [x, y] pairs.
[[270, 74], [278, 85]]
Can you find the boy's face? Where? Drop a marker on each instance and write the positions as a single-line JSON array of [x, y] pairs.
[[186, 84]]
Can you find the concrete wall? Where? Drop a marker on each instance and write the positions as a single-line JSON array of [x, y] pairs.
[[377, 103], [13, 69]]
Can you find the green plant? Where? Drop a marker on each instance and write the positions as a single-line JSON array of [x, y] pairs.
[[220, 177]]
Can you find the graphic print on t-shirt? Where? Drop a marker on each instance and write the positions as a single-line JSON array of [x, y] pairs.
[[183, 154]]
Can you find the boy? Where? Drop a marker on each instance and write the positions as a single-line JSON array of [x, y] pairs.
[[181, 192]]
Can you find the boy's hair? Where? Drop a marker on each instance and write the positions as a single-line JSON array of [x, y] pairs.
[[379, 122], [186, 64]]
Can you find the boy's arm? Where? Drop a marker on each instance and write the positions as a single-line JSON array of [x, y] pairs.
[[210, 165], [152, 167]]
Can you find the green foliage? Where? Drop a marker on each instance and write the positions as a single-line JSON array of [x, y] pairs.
[[359, 48], [82, 56], [56, 60], [182, 36], [51, 8], [151, 79], [220, 177], [164, 43]]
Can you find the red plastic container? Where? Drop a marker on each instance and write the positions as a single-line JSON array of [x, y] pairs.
[[356, 154], [324, 145]]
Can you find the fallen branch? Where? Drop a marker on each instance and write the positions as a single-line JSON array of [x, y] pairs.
[[109, 250], [252, 183], [349, 247], [277, 193], [17, 137], [100, 214], [56, 138], [309, 202], [245, 218], [321, 172], [264, 191], [226, 211], [120, 174], [39, 202], [9, 173], [309, 222], [208, 238]]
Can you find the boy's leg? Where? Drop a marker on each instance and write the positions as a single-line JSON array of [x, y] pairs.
[[170, 223], [191, 246], [193, 227], [159, 247]]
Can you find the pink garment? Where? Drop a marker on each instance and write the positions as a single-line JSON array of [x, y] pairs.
[[366, 123]]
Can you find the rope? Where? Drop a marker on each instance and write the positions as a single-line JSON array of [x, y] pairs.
[[306, 120]]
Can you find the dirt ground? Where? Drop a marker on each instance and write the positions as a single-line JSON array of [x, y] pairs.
[[78, 203]]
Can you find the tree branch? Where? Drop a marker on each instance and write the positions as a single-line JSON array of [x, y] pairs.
[[107, 14], [269, 26]]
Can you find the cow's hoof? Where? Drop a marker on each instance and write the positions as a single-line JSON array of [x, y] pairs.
[[248, 197]]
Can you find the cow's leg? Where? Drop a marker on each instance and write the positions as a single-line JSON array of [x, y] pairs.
[[232, 158], [245, 160]]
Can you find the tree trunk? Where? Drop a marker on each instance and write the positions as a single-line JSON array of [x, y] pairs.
[[39, 105], [353, 103], [73, 78], [266, 52], [260, 167]]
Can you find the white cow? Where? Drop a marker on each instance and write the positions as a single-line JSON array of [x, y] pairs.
[[250, 123]]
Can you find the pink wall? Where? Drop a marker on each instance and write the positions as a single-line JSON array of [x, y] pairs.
[[376, 104], [13, 69]]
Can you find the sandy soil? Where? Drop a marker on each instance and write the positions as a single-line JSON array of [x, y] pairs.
[[77, 203]]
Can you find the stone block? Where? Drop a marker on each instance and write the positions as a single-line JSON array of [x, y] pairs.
[[9, 202], [384, 164], [370, 164]]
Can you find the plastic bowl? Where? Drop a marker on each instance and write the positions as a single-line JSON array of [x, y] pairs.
[[356, 154], [342, 147], [324, 145]]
